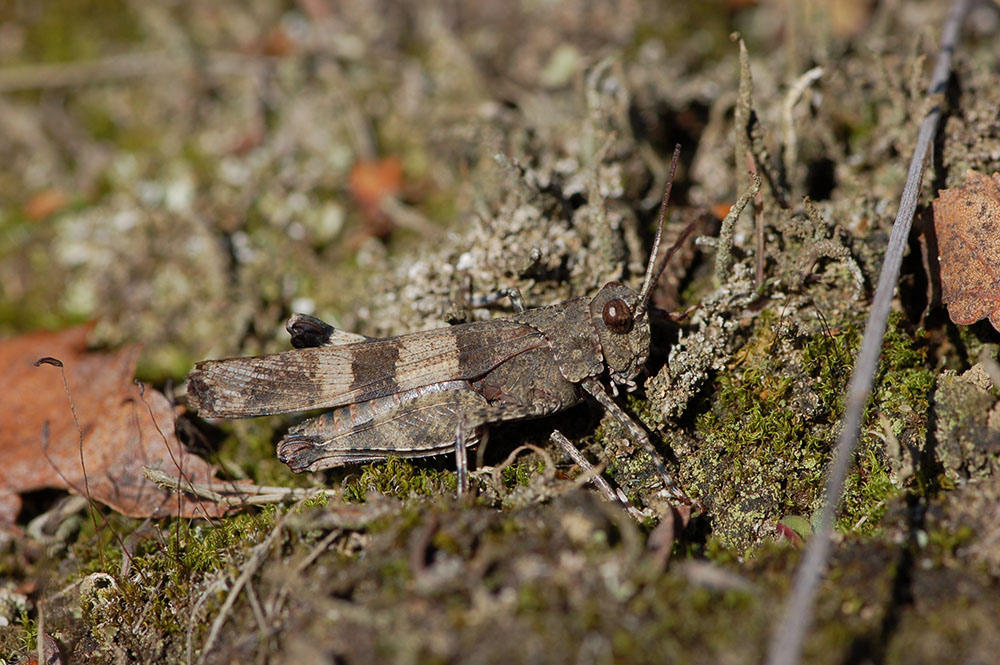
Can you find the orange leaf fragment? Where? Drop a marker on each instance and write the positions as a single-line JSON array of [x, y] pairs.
[[720, 210], [967, 225], [371, 181], [45, 203], [123, 430]]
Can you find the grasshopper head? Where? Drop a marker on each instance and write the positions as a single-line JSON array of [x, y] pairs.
[[621, 316], [624, 334]]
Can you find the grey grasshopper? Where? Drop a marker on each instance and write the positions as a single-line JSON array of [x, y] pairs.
[[428, 393]]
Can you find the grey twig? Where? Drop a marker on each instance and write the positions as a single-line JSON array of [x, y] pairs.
[[119, 68], [786, 643], [724, 248], [790, 149], [232, 494], [741, 118]]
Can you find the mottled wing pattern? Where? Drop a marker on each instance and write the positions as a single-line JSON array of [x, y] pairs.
[[324, 377]]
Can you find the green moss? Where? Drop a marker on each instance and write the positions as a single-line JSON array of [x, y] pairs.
[[317, 501], [79, 29], [174, 562], [867, 491], [398, 478], [775, 415], [903, 382], [205, 547], [520, 473], [765, 455], [641, 409], [99, 550], [25, 639], [901, 397], [828, 358]]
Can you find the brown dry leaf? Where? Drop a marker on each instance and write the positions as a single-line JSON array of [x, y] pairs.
[[967, 225], [120, 429], [277, 42]]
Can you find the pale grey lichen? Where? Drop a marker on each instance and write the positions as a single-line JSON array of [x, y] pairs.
[[705, 346], [967, 413]]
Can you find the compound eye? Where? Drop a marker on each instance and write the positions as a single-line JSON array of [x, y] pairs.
[[617, 316]]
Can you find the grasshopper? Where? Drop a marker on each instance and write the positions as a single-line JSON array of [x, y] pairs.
[[427, 393]]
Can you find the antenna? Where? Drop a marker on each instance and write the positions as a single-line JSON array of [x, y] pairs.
[[650, 280]]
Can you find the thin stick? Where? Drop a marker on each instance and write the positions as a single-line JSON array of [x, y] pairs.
[[40, 634], [173, 458], [228, 494], [157, 64], [742, 114], [790, 149], [758, 224], [317, 551], [258, 613], [786, 643], [55, 362]]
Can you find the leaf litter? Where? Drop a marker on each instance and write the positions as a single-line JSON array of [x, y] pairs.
[[967, 226], [123, 427]]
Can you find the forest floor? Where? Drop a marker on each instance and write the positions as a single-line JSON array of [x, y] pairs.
[[185, 176]]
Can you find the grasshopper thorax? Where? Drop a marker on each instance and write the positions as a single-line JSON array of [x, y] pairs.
[[624, 335]]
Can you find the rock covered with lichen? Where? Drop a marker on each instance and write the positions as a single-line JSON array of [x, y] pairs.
[[967, 434]]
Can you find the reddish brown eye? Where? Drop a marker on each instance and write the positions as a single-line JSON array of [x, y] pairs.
[[617, 316]]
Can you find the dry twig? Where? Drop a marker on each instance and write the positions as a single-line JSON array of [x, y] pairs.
[[233, 494], [157, 64]]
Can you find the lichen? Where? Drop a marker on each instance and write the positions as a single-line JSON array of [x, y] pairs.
[[967, 434]]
